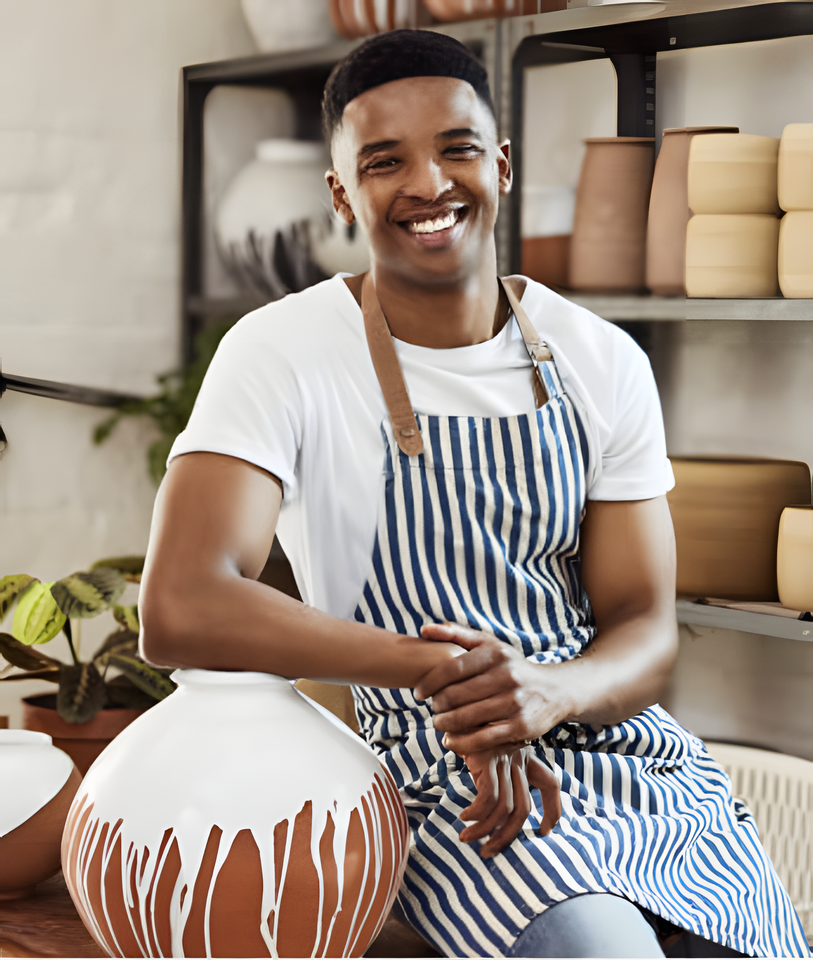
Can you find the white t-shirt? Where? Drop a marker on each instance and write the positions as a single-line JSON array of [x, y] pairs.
[[292, 389]]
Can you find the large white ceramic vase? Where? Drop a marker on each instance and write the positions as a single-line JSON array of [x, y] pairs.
[[235, 818]]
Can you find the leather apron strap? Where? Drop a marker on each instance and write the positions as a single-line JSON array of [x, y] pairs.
[[391, 377]]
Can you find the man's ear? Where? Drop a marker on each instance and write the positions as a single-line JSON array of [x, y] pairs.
[[339, 196], [504, 166]]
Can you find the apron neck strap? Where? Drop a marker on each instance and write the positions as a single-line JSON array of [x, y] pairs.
[[391, 378]]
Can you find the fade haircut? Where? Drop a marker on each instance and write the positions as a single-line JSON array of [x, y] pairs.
[[398, 55]]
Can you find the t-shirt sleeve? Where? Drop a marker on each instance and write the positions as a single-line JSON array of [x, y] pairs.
[[248, 406], [634, 465]]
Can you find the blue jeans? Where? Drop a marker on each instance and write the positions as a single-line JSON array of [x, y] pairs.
[[603, 925]]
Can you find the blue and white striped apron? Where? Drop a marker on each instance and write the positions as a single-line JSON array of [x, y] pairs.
[[482, 529]]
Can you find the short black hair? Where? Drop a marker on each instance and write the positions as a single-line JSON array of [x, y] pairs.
[[395, 56]]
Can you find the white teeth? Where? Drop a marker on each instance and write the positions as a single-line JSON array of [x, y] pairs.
[[432, 226]]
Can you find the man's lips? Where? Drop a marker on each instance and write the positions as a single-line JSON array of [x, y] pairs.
[[435, 222]]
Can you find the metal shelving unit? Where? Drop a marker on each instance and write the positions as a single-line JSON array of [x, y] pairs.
[[723, 618], [635, 308]]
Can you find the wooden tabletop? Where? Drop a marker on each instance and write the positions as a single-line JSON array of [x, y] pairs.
[[45, 925]]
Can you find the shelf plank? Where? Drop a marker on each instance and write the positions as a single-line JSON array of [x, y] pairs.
[[615, 307], [722, 618], [630, 307], [774, 308]]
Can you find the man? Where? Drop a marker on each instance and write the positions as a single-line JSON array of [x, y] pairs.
[[454, 464]]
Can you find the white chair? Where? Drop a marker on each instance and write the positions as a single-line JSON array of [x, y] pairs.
[[779, 792]]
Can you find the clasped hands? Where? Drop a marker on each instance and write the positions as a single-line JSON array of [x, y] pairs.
[[489, 702]]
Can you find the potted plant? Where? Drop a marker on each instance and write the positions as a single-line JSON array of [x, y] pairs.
[[95, 699]]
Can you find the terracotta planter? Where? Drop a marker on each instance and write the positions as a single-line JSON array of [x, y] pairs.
[[608, 250], [547, 259], [451, 10], [233, 819], [733, 174], [726, 515], [795, 169], [730, 255], [37, 786], [83, 742], [669, 212], [795, 261], [362, 18], [794, 557]]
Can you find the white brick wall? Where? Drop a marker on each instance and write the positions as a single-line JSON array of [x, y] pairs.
[[89, 259]]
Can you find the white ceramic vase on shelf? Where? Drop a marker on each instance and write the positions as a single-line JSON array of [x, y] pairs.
[[732, 255], [275, 226], [733, 173], [279, 25], [235, 818], [796, 167], [794, 557], [37, 785]]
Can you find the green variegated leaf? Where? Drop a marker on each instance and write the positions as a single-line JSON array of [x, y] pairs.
[[87, 594], [127, 617], [81, 693], [123, 642], [122, 692], [37, 618], [10, 588], [146, 678], [129, 567], [26, 658]]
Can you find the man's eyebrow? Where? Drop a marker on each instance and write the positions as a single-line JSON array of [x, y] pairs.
[[369, 148], [460, 132]]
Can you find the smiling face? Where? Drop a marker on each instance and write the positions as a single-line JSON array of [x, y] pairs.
[[417, 163]]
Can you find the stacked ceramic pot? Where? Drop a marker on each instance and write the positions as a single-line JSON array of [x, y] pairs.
[[732, 239], [608, 248], [669, 212], [449, 10], [795, 188], [794, 557]]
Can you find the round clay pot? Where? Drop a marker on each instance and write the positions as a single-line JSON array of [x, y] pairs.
[[608, 249], [362, 18], [796, 254], [83, 742], [726, 512], [235, 818], [452, 10], [731, 255], [37, 785], [794, 557], [733, 174], [795, 170], [669, 212]]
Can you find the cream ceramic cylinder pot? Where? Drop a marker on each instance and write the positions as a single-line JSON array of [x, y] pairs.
[[796, 254], [794, 557], [37, 785], [796, 167], [669, 212], [235, 818], [282, 25], [729, 255], [733, 174]]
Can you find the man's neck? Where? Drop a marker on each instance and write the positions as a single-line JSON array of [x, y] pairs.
[[440, 315]]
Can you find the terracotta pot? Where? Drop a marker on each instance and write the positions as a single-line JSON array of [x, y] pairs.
[[83, 742], [608, 250], [362, 18], [37, 786], [730, 255], [669, 212], [795, 260], [794, 557], [547, 259], [235, 818], [733, 174], [726, 515], [795, 168], [450, 10]]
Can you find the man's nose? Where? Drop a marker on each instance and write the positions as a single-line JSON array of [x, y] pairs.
[[426, 180]]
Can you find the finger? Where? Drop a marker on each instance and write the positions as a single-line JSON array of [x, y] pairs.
[[508, 831], [487, 785], [454, 633], [457, 669], [541, 777], [472, 716], [495, 678], [502, 809], [504, 735]]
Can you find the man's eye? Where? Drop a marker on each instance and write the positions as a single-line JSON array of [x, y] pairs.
[[382, 164], [462, 149]]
